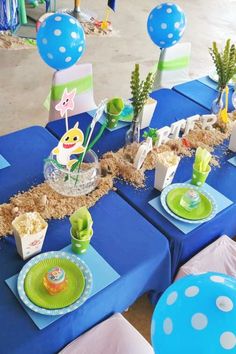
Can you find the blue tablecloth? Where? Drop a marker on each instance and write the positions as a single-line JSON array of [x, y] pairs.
[[200, 93], [171, 107], [25, 151], [182, 246], [168, 109], [129, 243]]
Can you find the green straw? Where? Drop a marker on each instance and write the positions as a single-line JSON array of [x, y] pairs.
[[22, 12]]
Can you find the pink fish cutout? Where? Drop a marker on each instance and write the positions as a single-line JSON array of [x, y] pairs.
[[67, 102]]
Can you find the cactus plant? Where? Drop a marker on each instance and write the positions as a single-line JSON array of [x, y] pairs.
[[225, 62], [152, 133], [140, 90]]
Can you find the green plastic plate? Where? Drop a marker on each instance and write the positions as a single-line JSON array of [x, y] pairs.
[[203, 210], [37, 293]]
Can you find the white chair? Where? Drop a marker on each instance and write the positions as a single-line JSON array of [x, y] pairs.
[[113, 336], [219, 256], [79, 76], [173, 66]]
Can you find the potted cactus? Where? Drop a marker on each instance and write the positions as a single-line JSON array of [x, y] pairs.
[[225, 65], [153, 134], [140, 90]]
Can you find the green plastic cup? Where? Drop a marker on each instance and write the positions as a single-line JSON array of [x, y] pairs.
[[199, 178], [112, 120], [80, 246], [113, 111]]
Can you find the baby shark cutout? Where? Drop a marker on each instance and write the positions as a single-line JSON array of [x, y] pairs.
[[70, 143]]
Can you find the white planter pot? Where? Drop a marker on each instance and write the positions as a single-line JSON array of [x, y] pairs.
[[164, 175], [147, 113], [232, 140], [29, 244]]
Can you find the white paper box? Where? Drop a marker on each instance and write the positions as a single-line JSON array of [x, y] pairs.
[[29, 245], [164, 175], [147, 113], [232, 140]]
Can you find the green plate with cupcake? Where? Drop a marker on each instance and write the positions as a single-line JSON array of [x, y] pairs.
[[54, 283]]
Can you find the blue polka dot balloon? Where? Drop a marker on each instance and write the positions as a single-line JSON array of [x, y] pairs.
[[60, 41], [196, 315], [166, 24]]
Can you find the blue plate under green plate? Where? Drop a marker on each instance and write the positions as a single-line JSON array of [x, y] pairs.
[[78, 272], [168, 189]]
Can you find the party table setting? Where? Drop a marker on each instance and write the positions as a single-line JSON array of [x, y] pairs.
[[101, 207]]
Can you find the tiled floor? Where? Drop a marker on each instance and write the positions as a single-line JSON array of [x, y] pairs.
[[25, 79]]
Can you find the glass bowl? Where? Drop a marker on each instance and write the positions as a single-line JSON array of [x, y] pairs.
[[76, 183]]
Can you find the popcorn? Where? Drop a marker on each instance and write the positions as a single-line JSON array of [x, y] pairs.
[[168, 158], [29, 224]]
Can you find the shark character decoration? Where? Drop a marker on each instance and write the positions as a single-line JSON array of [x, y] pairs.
[[70, 143]]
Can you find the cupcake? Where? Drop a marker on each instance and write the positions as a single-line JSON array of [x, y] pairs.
[[55, 280], [190, 200]]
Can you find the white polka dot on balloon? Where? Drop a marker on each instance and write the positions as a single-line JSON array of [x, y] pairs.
[[162, 42], [80, 49], [62, 49], [168, 326], [163, 25], [73, 35], [174, 42], [72, 21], [68, 59], [192, 291], [57, 32], [151, 29], [50, 56], [159, 7], [58, 18], [177, 24], [199, 321], [44, 41], [217, 279], [170, 35], [172, 297], [228, 340], [224, 303], [169, 10]]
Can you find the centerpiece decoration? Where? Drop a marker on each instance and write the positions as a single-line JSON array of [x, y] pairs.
[[201, 167], [153, 134], [81, 230], [143, 150], [75, 176], [225, 65], [140, 91], [180, 139]]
